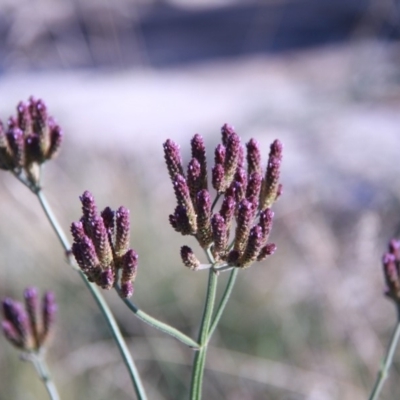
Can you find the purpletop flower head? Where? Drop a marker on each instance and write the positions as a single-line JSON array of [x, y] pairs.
[[27, 328], [31, 139], [101, 245], [247, 195]]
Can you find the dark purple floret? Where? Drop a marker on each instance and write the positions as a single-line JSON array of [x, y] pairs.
[[231, 158], [107, 278], [173, 158], [77, 231], [12, 335], [15, 139], [218, 178], [31, 306], [227, 131], [101, 243], [108, 217], [266, 251], [203, 204], [219, 155], [199, 152], [188, 258], [220, 236], [253, 247], [127, 289], [56, 137], [228, 209], [194, 178], [253, 157], [49, 310], [244, 221], [89, 210]]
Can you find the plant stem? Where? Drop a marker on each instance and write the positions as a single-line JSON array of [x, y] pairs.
[[224, 301], [387, 362], [200, 357], [161, 326], [41, 368], [103, 306]]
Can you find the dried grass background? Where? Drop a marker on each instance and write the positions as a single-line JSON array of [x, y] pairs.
[[309, 323]]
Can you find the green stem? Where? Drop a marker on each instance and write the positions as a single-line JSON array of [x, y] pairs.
[[41, 368], [224, 301], [103, 306], [387, 362], [161, 326], [200, 357]]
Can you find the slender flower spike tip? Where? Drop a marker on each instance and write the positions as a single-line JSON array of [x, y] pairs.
[[101, 246], [26, 328], [199, 153], [247, 195], [31, 138], [271, 189], [189, 258]]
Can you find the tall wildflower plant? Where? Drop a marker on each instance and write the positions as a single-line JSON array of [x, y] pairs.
[[228, 211], [391, 272]]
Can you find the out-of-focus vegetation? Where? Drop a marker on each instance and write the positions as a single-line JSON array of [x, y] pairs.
[[309, 323]]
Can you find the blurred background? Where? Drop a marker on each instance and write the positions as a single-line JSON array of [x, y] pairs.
[[121, 77]]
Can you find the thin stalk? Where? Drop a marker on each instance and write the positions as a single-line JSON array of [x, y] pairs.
[[41, 368], [200, 357], [103, 306], [387, 362], [161, 326], [223, 302]]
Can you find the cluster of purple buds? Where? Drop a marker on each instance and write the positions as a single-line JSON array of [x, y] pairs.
[[391, 270], [29, 327], [30, 138], [101, 246], [247, 195]]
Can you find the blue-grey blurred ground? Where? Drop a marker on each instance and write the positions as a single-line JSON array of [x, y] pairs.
[[309, 323]]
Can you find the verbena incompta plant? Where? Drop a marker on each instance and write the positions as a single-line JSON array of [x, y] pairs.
[[229, 215]]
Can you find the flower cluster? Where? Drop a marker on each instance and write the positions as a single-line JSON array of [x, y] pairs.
[[30, 138], [25, 328], [101, 246], [247, 195], [391, 270]]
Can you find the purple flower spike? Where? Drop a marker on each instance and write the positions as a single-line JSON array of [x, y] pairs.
[[204, 234], [270, 188], [173, 158], [227, 131], [107, 278], [253, 247], [55, 139], [253, 157], [194, 178], [101, 243], [127, 289], [31, 306], [244, 221], [231, 158], [218, 178], [219, 155], [220, 236], [184, 200], [89, 210], [129, 271], [18, 318], [199, 153], [49, 309], [266, 251], [189, 259], [12, 335], [108, 217]]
